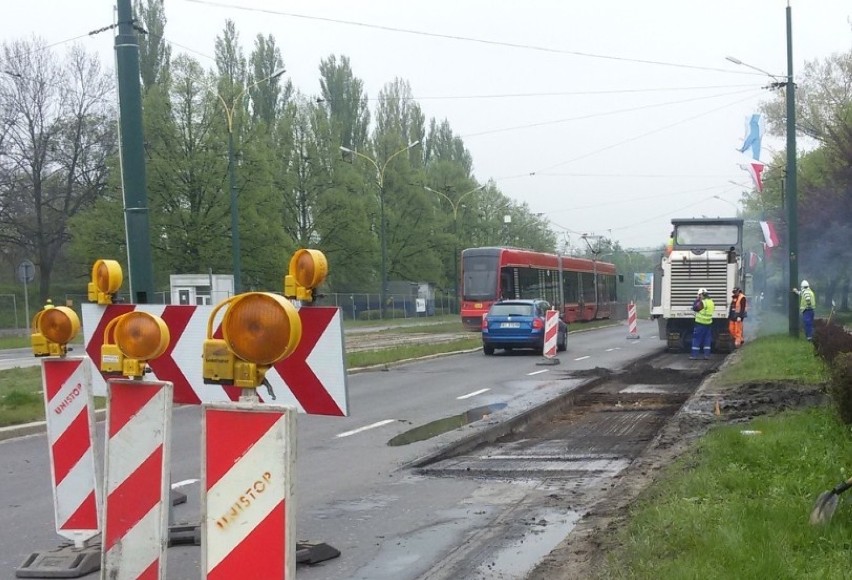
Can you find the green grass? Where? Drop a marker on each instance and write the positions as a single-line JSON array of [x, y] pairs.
[[20, 396], [389, 355], [737, 506], [776, 358]]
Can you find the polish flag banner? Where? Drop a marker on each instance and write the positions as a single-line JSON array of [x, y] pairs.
[[752, 260], [770, 235], [755, 170]]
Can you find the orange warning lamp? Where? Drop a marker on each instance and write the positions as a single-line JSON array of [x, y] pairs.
[[53, 328], [130, 341], [308, 269], [106, 280], [258, 330]]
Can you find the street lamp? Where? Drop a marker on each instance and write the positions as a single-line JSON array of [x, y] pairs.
[[790, 192], [380, 180], [232, 174], [732, 204], [455, 205]]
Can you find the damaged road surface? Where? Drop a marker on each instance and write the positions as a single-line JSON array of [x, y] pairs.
[[567, 457]]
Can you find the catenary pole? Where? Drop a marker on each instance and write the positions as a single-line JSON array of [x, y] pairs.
[[132, 157], [792, 224]]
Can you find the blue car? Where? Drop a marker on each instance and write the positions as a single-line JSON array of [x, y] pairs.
[[519, 324]]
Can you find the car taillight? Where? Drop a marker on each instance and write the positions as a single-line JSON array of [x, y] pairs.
[[484, 323], [538, 323]]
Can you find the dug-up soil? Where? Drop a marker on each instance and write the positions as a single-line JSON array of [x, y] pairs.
[[582, 554]]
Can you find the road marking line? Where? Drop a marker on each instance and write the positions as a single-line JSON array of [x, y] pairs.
[[184, 483], [365, 428], [582, 358], [537, 372], [612, 349], [473, 394]]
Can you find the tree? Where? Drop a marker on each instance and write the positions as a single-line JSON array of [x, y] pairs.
[[154, 52], [343, 98], [824, 114], [57, 145]]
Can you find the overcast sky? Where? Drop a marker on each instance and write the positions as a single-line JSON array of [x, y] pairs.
[[610, 117]]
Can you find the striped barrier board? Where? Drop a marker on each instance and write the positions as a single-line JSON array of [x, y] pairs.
[[69, 415], [551, 333], [137, 479], [247, 524], [312, 379], [632, 325]]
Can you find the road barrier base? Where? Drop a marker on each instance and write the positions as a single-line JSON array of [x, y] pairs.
[[548, 361], [314, 552], [177, 497], [184, 535], [66, 561]]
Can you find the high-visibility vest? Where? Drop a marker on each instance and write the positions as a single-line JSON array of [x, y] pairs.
[[705, 316], [736, 306], [807, 299]]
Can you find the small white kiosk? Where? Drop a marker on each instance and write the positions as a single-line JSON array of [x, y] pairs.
[[200, 289]]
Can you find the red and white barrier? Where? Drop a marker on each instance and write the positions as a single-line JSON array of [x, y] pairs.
[[632, 325], [136, 478], [247, 527], [69, 414], [551, 333], [312, 379]]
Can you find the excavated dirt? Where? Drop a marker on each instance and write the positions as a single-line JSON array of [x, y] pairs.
[[582, 553]]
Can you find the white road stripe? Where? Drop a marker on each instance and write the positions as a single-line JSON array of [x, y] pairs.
[[473, 394], [582, 358], [366, 428], [612, 349], [536, 372]]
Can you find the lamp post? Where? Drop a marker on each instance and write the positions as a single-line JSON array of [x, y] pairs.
[[232, 175], [380, 180], [732, 204], [455, 205], [790, 190]]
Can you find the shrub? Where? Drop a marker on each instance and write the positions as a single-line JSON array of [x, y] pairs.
[[840, 387], [830, 340]]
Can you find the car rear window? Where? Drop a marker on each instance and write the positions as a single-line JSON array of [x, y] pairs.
[[512, 310]]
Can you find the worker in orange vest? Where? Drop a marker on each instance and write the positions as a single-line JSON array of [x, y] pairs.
[[736, 314]]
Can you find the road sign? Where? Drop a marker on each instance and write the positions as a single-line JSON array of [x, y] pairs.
[[26, 272], [312, 379]]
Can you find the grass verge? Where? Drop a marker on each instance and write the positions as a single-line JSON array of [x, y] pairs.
[[736, 505], [20, 396], [388, 355]]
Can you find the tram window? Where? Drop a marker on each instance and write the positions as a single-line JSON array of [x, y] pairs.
[[528, 283]]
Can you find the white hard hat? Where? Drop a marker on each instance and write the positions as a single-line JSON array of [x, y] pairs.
[[805, 284], [702, 290]]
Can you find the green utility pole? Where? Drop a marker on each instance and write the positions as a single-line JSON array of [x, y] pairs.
[[133, 158], [792, 224]]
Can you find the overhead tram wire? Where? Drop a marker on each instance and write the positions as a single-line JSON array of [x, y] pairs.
[[642, 135], [471, 39], [605, 113]]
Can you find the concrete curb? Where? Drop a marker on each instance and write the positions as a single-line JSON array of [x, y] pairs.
[[35, 428]]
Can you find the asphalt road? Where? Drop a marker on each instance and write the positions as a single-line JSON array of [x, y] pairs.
[[353, 490]]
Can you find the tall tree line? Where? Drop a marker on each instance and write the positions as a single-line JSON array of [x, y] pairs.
[[60, 188]]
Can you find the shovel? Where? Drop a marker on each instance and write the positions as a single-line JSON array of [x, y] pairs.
[[826, 503]]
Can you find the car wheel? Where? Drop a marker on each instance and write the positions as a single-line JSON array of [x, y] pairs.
[[488, 349], [562, 346]]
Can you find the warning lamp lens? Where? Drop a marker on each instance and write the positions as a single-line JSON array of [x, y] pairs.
[[107, 275], [59, 325], [262, 328], [309, 267], [141, 336]]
